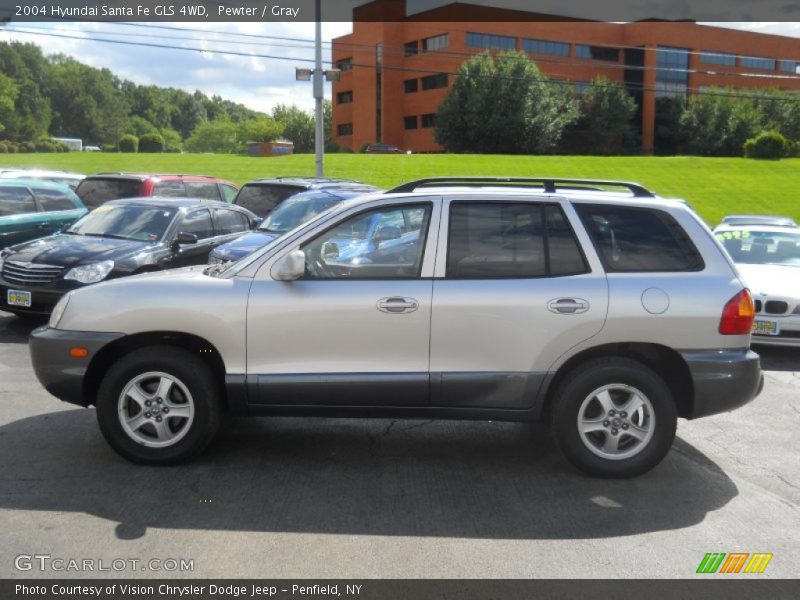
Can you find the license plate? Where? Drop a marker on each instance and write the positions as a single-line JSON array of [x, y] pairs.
[[18, 298], [766, 328]]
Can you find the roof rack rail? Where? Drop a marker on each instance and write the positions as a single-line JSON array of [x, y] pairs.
[[551, 185]]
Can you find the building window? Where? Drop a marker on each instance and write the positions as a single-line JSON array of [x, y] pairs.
[[410, 122], [434, 82], [411, 48], [344, 97], [545, 47], [718, 58], [344, 64], [580, 87], [672, 74], [757, 62], [437, 42], [790, 66], [488, 41], [410, 86], [428, 120], [344, 129], [597, 53]]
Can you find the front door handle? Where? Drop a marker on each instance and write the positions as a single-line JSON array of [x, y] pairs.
[[397, 304], [568, 306]]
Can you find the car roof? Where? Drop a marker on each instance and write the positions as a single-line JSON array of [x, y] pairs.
[[339, 192], [301, 180], [763, 228], [168, 202], [33, 183], [35, 173], [745, 220], [143, 176]]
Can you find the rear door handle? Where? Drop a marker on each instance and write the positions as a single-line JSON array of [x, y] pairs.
[[397, 304], [568, 306]]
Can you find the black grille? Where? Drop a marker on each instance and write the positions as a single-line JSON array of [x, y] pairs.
[[30, 274], [758, 305], [776, 307]]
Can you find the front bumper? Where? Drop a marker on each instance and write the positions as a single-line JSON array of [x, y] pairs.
[[57, 370], [723, 380], [43, 298]]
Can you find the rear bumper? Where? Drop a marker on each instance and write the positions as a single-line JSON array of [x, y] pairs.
[[723, 380], [60, 373]]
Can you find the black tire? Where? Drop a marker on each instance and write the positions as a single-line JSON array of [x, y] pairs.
[[192, 372], [580, 384]]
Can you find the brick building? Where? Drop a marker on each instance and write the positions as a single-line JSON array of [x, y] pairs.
[[396, 72]]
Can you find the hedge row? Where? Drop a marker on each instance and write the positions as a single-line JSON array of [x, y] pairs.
[[9, 147]]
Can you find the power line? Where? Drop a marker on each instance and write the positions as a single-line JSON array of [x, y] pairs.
[[629, 86]]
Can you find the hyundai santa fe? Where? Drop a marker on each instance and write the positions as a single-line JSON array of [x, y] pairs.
[[607, 314]]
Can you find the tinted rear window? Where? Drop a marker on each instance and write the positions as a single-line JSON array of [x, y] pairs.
[[15, 201], [95, 192], [261, 199], [52, 200], [639, 239]]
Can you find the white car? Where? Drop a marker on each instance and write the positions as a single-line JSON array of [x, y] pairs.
[[768, 258], [68, 178]]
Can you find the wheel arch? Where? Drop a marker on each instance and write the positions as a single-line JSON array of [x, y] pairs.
[[108, 355], [665, 361]]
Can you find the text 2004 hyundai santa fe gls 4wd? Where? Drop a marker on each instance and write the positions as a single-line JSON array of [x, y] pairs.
[[608, 314]]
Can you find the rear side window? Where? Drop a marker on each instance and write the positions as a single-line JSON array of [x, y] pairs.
[[169, 189], [496, 240], [230, 221], [202, 189], [564, 253], [52, 200], [261, 199], [94, 192], [228, 192], [639, 239], [16, 201]]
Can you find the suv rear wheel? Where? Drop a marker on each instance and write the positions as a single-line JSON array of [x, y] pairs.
[[614, 417], [159, 405]]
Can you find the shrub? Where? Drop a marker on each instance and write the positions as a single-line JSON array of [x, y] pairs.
[[768, 144], [13, 147], [45, 146], [61, 147], [3, 148], [151, 142], [27, 147], [128, 143], [108, 148]]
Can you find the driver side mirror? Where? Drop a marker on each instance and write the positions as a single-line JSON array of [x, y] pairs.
[[257, 222], [386, 233], [290, 267], [184, 239]]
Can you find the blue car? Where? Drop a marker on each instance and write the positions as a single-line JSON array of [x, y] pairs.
[[289, 214]]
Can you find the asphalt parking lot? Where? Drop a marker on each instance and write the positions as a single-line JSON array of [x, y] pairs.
[[375, 498]]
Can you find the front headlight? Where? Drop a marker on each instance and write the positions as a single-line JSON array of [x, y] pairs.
[[58, 311], [91, 273]]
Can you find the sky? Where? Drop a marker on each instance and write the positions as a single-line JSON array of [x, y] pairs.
[[258, 83]]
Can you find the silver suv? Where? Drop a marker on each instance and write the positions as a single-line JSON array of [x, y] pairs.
[[607, 314]]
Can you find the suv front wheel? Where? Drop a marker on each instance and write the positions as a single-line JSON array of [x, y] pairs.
[[613, 417], [159, 405]]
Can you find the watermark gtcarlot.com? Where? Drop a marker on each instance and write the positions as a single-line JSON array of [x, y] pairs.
[[47, 563]]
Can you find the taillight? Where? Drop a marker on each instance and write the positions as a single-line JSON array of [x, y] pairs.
[[738, 314]]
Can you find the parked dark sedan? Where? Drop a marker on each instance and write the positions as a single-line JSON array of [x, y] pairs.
[[290, 213], [121, 237]]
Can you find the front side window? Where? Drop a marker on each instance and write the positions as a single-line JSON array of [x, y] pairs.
[[198, 223], [639, 239], [385, 243], [16, 201], [53, 200], [230, 221]]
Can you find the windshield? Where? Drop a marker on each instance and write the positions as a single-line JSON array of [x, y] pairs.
[[262, 198], [132, 222], [94, 192], [759, 247], [295, 211]]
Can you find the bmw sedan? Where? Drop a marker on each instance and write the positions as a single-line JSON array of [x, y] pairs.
[[122, 237]]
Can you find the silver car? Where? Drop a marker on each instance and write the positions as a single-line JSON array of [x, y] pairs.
[[768, 257], [607, 314]]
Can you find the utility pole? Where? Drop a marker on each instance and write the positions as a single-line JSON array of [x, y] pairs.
[[319, 93]]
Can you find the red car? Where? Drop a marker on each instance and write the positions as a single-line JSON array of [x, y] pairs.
[[98, 189]]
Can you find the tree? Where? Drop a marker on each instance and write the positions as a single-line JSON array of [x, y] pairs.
[[220, 135], [298, 127], [261, 129], [503, 104], [606, 122], [8, 94], [719, 122]]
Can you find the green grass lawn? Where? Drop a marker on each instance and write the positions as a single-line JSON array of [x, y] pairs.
[[714, 186]]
